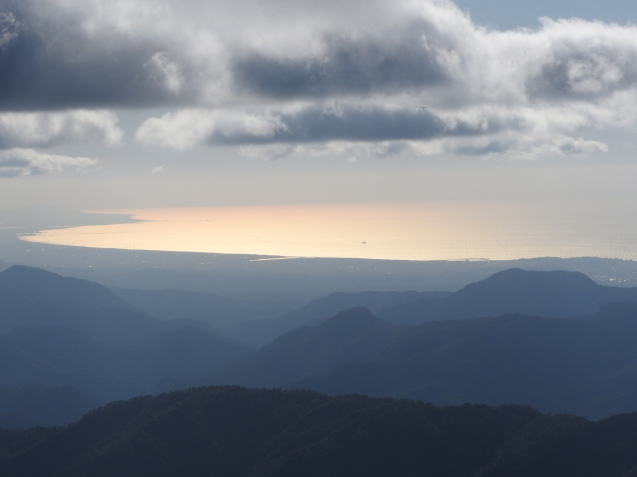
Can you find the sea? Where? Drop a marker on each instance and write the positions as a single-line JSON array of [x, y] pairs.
[[434, 230]]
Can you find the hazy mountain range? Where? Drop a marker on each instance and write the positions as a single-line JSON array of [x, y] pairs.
[[82, 342]]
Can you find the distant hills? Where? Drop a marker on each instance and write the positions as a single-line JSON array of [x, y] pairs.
[[231, 431], [71, 294], [79, 343], [76, 343], [354, 335], [168, 304], [265, 330], [584, 366], [555, 293]]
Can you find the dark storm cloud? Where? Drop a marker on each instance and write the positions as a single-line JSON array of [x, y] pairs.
[[386, 63], [49, 63]]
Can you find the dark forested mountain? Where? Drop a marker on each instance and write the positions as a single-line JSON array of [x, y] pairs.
[[71, 294], [230, 431], [263, 331], [555, 293]]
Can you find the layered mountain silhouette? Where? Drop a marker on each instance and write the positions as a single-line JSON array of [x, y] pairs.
[[555, 293], [77, 336], [263, 331], [71, 294], [74, 340], [231, 431], [582, 366], [585, 366], [31, 296], [354, 335], [47, 359], [169, 304]]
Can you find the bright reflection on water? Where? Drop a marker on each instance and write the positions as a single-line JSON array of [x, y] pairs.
[[408, 231]]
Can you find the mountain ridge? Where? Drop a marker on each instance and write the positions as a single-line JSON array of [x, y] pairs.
[[232, 431], [542, 293]]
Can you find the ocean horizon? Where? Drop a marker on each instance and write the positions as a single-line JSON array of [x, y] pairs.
[[440, 230]]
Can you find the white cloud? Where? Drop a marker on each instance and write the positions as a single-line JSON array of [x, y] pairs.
[[26, 162], [165, 71], [300, 75], [8, 28], [192, 127], [48, 129]]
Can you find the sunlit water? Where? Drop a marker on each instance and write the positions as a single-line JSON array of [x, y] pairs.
[[406, 231]]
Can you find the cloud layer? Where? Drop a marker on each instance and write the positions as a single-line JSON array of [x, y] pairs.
[[295, 76], [27, 162], [49, 129]]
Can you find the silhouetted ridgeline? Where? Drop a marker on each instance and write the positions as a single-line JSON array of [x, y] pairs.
[[75, 343], [71, 294], [556, 294], [265, 330], [70, 345], [575, 365], [231, 431]]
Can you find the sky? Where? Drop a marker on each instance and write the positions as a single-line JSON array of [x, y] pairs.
[[138, 103]]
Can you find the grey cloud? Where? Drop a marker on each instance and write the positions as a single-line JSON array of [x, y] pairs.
[[492, 147], [286, 60], [45, 129], [8, 28], [368, 124], [353, 124], [584, 75], [386, 62], [27, 162], [311, 125], [49, 63]]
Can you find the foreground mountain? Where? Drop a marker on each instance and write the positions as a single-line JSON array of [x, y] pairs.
[[555, 293], [237, 432]]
